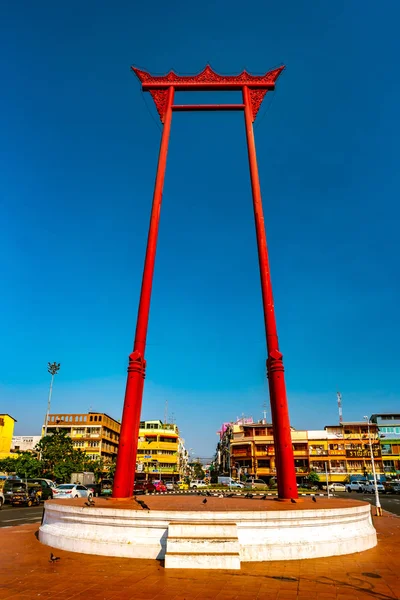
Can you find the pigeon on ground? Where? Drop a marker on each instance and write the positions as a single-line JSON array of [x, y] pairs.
[[293, 501], [143, 504], [314, 499], [90, 502], [205, 501], [53, 558], [208, 493], [263, 497], [248, 495]]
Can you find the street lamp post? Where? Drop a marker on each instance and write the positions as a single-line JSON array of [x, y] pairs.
[[53, 369], [377, 501]]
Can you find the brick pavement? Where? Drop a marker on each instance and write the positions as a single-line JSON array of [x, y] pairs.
[[25, 573]]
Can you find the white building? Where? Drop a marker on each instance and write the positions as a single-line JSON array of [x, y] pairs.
[[24, 443]]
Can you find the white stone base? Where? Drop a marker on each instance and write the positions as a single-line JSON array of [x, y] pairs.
[[199, 545], [261, 535]]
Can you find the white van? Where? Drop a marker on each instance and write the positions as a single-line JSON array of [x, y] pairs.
[[229, 482]]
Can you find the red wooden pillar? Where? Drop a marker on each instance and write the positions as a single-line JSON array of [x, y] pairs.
[[286, 473], [126, 462]]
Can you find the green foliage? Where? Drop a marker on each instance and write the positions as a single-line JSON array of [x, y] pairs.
[[313, 477], [59, 458], [8, 465], [198, 471]]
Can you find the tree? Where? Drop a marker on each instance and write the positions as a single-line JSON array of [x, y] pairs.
[[313, 478], [59, 458], [28, 466], [198, 471], [8, 465]]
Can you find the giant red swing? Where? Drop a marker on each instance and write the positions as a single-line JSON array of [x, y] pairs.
[[162, 90]]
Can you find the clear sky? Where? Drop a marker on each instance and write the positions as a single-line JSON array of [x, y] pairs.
[[79, 149]]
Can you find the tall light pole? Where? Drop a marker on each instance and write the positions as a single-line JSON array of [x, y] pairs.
[[53, 369], [377, 501]]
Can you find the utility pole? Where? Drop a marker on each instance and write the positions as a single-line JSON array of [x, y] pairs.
[[377, 500], [53, 369], [339, 401]]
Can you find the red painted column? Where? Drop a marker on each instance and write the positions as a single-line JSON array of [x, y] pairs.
[[284, 458], [126, 460]]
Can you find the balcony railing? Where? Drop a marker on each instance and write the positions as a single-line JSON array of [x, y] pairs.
[[318, 452]]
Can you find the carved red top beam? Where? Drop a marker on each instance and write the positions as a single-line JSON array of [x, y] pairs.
[[207, 80]]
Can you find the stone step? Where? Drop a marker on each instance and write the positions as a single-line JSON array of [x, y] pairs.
[[199, 529], [205, 545], [193, 560]]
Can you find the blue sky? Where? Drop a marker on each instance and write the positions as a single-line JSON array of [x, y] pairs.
[[78, 151]]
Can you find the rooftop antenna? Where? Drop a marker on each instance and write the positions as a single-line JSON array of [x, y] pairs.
[[166, 412], [264, 411], [339, 402]]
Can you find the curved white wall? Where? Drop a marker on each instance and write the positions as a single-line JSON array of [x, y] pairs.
[[263, 536]]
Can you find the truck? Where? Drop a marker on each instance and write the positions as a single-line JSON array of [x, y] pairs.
[[84, 478]]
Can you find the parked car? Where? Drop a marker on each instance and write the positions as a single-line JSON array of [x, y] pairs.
[[106, 487], [2, 500], [71, 490], [308, 486], [355, 486], [143, 487], [370, 488], [335, 487], [197, 483], [396, 488], [160, 486], [170, 486], [8, 487]]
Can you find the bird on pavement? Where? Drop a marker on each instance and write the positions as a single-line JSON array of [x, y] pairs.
[[208, 493], [205, 501], [221, 496], [263, 497], [293, 501], [314, 499], [248, 495], [53, 558], [230, 495], [89, 503], [143, 504]]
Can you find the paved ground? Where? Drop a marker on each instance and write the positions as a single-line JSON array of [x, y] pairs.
[[26, 573], [214, 503]]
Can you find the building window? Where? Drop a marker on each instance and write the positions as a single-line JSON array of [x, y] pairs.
[[90, 418], [99, 417]]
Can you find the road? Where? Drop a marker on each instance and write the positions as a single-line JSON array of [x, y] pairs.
[[20, 515], [389, 502]]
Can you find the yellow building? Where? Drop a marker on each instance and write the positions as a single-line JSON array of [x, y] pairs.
[[6, 434], [160, 453], [344, 451], [96, 434], [252, 450]]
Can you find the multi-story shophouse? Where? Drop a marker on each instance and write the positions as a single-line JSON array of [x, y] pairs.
[[96, 434], [389, 433], [252, 450], [344, 452], [161, 453]]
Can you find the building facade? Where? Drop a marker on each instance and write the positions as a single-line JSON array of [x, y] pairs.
[[6, 434], [24, 443], [389, 433], [96, 434], [161, 452], [342, 451]]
